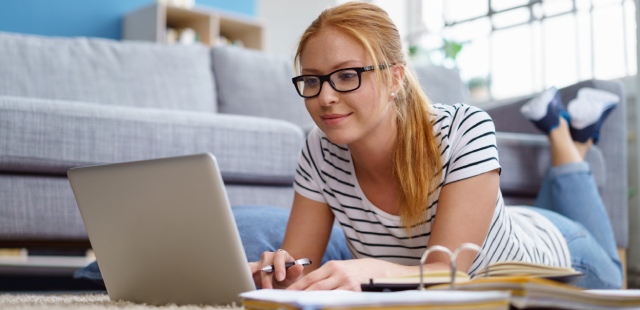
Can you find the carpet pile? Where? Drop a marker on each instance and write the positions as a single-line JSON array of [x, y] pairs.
[[96, 301]]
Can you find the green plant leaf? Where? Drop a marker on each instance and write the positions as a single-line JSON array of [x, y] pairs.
[[413, 50], [451, 48]]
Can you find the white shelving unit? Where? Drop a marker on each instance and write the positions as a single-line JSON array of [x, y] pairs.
[[150, 23]]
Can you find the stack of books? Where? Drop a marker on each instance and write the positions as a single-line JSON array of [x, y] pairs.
[[502, 285]]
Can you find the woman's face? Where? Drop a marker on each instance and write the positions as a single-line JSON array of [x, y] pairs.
[[346, 117]]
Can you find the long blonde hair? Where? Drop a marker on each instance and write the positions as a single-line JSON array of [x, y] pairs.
[[416, 157]]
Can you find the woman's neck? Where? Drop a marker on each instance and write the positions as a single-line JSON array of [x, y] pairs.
[[373, 155]]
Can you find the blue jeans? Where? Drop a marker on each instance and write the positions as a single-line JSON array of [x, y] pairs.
[[570, 199], [262, 229]]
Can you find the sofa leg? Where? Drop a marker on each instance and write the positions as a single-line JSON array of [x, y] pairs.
[[622, 252]]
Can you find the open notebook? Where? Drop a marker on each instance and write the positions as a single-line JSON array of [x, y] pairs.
[[529, 285], [499, 269], [454, 277]]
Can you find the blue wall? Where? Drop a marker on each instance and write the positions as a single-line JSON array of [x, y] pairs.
[[92, 18]]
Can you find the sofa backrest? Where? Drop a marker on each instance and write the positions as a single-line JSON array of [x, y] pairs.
[[107, 72], [442, 85], [257, 84]]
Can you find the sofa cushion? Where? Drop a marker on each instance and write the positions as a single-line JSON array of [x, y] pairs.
[[43, 208], [107, 72], [34, 207], [259, 84], [442, 85], [525, 159], [48, 137]]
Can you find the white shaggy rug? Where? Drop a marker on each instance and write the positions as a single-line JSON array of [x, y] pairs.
[[96, 301]]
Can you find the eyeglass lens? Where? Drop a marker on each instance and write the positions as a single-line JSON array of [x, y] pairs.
[[343, 80]]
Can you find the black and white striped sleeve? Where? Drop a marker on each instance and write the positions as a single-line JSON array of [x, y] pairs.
[[473, 144]]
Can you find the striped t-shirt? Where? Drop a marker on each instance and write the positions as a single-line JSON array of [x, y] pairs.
[[466, 136]]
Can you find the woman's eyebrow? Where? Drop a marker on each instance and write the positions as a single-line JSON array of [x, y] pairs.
[[340, 65], [310, 71]]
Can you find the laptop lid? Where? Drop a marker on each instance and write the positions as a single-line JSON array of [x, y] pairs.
[[163, 231]]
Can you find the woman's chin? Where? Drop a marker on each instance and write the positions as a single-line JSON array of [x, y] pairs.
[[338, 136]]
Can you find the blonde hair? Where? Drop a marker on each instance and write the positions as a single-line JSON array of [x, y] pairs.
[[416, 158]]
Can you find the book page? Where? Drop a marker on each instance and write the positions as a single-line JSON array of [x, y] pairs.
[[340, 298], [617, 293], [431, 277]]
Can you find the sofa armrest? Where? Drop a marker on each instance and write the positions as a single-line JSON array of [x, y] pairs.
[[525, 159], [612, 145]]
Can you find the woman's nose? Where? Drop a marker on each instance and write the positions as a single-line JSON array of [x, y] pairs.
[[327, 95]]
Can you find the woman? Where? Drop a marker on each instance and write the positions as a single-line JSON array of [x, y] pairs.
[[400, 174]]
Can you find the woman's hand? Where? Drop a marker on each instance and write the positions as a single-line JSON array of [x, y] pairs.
[[348, 274], [280, 277]]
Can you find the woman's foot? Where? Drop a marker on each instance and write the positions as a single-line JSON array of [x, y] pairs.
[[588, 111], [545, 110]]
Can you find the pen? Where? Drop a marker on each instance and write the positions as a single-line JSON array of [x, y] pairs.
[[303, 261]]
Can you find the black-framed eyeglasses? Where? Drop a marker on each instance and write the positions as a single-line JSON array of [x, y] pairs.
[[342, 80]]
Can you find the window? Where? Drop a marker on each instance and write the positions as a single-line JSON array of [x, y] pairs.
[[519, 47]]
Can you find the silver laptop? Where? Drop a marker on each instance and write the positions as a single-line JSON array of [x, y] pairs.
[[163, 231]]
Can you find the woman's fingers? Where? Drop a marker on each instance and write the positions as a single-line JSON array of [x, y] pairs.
[[293, 273], [308, 280], [314, 277], [265, 277], [331, 276], [281, 276], [280, 257], [330, 283], [254, 267]]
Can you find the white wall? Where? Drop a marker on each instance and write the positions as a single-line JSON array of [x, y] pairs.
[[286, 20]]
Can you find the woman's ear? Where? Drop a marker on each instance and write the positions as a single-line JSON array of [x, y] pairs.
[[398, 77]]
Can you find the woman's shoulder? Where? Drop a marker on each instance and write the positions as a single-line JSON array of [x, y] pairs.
[[459, 113], [452, 109]]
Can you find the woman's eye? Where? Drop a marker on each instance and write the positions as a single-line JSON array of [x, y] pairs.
[[311, 82], [347, 76]]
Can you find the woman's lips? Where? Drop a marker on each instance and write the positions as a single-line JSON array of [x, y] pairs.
[[333, 119]]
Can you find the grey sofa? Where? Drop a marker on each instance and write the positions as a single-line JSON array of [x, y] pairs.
[[67, 102]]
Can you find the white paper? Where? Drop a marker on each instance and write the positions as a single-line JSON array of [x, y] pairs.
[[620, 293], [339, 298]]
